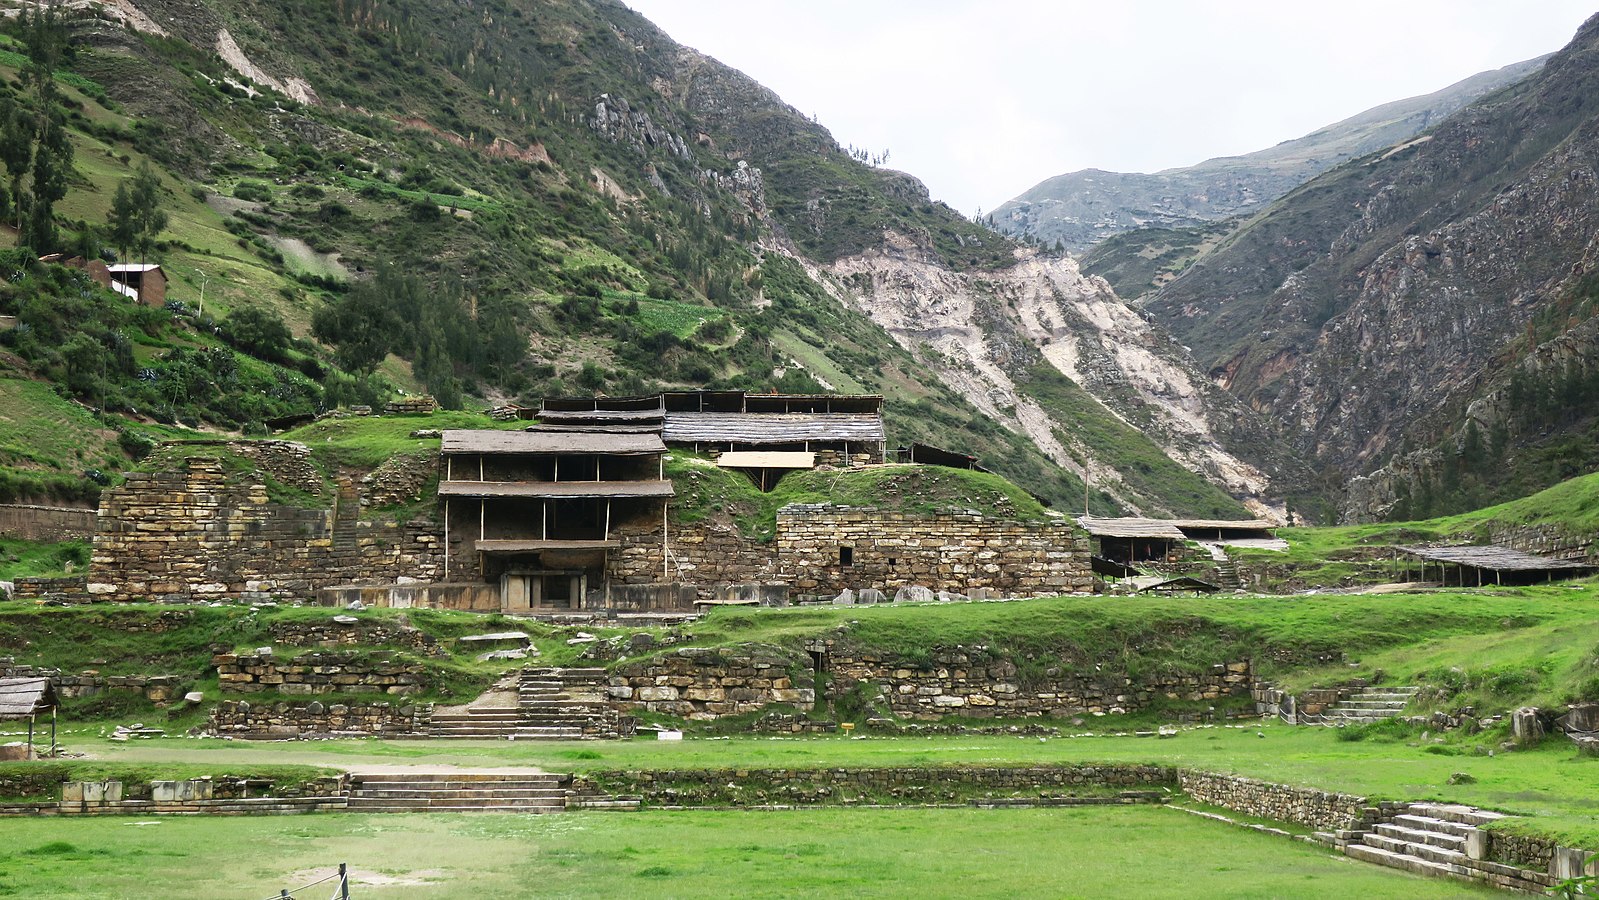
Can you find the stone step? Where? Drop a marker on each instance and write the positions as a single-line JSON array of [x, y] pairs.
[[496, 777], [1425, 851], [1409, 863], [403, 792], [1454, 812], [1430, 823], [603, 803], [483, 808], [1415, 836], [1364, 703]]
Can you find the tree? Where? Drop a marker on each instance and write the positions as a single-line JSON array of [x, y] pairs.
[[33, 142], [136, 214]]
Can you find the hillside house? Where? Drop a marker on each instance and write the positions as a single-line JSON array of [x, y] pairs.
[[144, 282], [542, 509]]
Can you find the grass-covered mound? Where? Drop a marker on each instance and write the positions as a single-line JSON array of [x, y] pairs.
[[1493, 648], [705, 491]]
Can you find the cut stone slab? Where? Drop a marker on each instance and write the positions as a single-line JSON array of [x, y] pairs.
[[497, 637], [345, 620], [514, 653]]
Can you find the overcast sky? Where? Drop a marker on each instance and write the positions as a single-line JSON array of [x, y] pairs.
[[982, 99]]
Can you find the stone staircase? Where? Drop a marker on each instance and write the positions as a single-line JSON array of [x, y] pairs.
[[552, 704], [1437, 839], [1227, 577], [456, 792], [568, 704], [1369, 704]]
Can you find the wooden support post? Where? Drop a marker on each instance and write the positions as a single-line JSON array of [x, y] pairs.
[[607, 518], [446, 538], [544, 512], [482, 519]]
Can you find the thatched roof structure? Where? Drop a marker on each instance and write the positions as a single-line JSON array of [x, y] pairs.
[[21, 698]]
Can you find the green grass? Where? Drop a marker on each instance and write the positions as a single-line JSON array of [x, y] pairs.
[[705, 490], [365, 442], [656, 315], [43, 434], [36, 559], [1085, 852]]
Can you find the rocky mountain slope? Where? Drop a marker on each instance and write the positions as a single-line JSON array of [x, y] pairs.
[[540, 198], [1080, 209], [1428, 307]]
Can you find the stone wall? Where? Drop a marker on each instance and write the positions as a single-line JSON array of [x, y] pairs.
[[697, 683], [826, 549], [316, 719], [158, 689], [975, 683], [45, 523], [467, 596], [331, 634], [69, 587], [1319, 810], [702, 554], [1545, 540], [318, 673], [194, 533], [926, 784]]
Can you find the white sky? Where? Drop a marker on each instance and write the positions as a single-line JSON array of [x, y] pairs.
[[982, 100]]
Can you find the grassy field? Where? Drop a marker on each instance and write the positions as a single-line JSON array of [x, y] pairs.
[[1085, 852], [22, 559]]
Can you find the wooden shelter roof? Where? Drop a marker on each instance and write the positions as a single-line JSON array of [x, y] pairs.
[[555, 490], [771, 428], [595, 416], [1131, 527], [549, 443], [24, 697], [1488, 556]]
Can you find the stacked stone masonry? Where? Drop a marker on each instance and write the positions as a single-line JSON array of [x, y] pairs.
[[318, 673], [826, 549], [332, 634], [1320, 810], [158, 689], [731, 787], [45, 523], [974, 683], [194, 534], [697, 683], [289, 721]]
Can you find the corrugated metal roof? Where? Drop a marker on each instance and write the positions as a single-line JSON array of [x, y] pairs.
[[133, 267], [1491, 557], [23, 697], [548, 442], [1223, 524], [767, 459], [1131, 528], [555, 490], [771, 428]]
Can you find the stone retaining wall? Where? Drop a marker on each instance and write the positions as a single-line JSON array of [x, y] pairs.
[[279, 721], [158, 689], [825, 549], [736, 787], [1319, 810], [68, 587], [46, 523], [1545, 540], [195, 533], [329, 634], [318, 673], [697, 683], [975, 683]]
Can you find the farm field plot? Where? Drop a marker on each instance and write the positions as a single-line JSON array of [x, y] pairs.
[[1118, 851]]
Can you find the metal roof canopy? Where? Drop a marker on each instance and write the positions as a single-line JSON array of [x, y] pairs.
[[555, 490], [601, 404], [772, 428], [549, 443], [927, 454], [1131, 528], [1488, 556], [22, 698], [766, 459], [500, 546], [619, 428], [1223, 524]]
